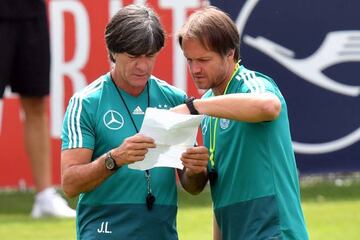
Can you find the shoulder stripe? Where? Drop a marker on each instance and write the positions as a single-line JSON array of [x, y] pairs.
[[250, 85], [74, 127], [254, 84], [260, 83], [70, 133]]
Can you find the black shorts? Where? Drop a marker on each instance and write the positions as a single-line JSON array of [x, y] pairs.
[[25, 56]]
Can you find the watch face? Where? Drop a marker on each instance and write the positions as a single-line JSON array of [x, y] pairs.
[[110, 163]]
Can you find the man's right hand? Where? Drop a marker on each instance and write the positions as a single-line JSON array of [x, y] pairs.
[[133, 149]]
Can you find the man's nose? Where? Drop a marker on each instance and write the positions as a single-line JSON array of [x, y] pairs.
[[195, 67], [142, 63]]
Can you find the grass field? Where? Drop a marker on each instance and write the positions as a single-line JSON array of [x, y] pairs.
[[331, 208]]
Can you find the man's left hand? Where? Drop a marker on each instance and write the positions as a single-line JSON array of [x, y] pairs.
[[195, 160]]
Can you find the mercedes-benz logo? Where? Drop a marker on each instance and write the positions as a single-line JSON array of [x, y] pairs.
[[113, 120]]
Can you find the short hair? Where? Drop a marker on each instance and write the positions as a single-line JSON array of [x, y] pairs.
[[214, 29], [136, 30]]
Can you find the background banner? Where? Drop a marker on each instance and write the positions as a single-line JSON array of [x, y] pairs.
[[311, 49]]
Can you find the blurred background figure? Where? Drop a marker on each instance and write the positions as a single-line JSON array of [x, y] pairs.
[[25, 67]]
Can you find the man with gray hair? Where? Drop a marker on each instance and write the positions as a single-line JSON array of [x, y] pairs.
[[101, 137]]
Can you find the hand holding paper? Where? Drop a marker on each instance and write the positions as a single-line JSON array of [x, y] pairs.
[[173, 134]]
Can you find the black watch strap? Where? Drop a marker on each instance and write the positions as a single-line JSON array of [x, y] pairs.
[[190, 105]]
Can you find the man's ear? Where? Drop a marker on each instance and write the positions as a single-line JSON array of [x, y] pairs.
[[231, 53]]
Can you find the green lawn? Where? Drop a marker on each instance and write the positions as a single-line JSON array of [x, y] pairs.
[[332, 212]]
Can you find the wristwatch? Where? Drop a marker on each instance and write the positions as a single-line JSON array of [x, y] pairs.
[[110, 162], [190, 105]]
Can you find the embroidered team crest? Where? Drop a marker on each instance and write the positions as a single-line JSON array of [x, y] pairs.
[[224, 123]]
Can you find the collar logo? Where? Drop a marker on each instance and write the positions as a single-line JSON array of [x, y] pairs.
[[113, 120]]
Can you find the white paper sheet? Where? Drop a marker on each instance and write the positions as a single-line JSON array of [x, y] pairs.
[[173, 134]]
